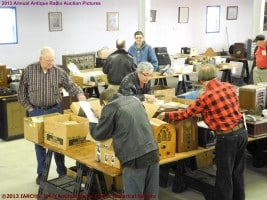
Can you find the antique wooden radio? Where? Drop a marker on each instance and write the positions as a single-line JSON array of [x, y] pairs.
[[165, 136], [186, 134], [3, 75], [252, 98], [239, 50], [206, 137], [84, 61]]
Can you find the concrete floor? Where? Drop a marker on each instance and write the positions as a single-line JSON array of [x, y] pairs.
[[18, 173]]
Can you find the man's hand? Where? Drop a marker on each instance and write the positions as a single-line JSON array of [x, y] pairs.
[[81, 98], [97, 112], [150, 98], [161, 116]]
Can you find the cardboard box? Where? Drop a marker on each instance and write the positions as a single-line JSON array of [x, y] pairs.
[[205, 159], [93, 78], [151, 109], [66, 130], [95, 104], [34, 128], [164, 93]]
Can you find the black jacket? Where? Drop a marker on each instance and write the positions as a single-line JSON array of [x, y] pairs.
[[118, 65], [130, 86]]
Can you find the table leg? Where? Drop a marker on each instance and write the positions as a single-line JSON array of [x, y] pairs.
[[45, 174], [78, 181], [178, 182], [89, 182], [180, 86]]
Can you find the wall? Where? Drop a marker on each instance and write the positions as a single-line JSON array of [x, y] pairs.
[[84, 28], [175, 35]]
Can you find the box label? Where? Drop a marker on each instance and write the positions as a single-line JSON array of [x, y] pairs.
[[54, 139]]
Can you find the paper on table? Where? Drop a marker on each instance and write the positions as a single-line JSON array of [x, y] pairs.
[[88, 111], [73, 68]]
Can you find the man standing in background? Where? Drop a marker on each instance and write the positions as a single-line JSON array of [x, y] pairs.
[[40, 93], [260, 70], [141, 51], [118, 65]]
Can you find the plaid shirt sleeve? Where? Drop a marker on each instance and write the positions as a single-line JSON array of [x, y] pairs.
[[192, 110]]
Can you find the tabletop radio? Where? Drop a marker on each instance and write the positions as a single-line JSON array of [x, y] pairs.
[[252, 98]]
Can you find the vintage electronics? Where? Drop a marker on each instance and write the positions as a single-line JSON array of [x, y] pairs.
[[256, 125], [3, 75], [185, 50], [15, 74], [186, 134], [162, 56], [239, 50], [11, 118], [87, 77], [165, 135], [190, 51], [83, 60], [251, 46], [104, 53], [99, 62], [252, 98], [206, 137], [265, 85]]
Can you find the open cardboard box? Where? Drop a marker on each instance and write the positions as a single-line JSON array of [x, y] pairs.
[[65, 130], [34, 128]]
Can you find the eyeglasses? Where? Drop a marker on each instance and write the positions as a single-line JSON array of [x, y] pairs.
[[49, 61], [138, 37], [147, 75]]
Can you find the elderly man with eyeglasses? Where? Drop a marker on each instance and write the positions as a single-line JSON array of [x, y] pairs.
[[138, 83]]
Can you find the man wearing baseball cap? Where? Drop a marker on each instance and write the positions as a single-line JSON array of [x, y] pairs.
[[257, 148], [260, 70]]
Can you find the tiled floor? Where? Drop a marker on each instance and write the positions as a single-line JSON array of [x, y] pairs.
[[18, 173]]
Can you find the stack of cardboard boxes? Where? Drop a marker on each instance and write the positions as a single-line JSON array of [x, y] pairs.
[[60, 130]]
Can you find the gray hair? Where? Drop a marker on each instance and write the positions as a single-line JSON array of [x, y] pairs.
[[207, 72], [46, 51], [144, 66]]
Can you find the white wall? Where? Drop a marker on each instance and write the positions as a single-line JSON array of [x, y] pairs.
[[175, 35], [84, 28]]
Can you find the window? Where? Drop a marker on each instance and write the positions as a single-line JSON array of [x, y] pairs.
[[213, 19], [8, 25]]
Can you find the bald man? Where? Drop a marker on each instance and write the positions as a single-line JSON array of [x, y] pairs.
[[118, 65]]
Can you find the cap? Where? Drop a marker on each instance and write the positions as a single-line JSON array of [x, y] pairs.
[[259, 37]]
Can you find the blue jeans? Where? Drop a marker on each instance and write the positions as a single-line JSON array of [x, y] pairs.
[[141, 183], [41, 152], [230, 163]]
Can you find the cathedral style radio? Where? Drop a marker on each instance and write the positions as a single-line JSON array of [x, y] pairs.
[[165, 135], [252, 98], [187, 135]]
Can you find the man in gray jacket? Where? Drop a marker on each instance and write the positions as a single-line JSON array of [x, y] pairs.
[[124, 119]]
